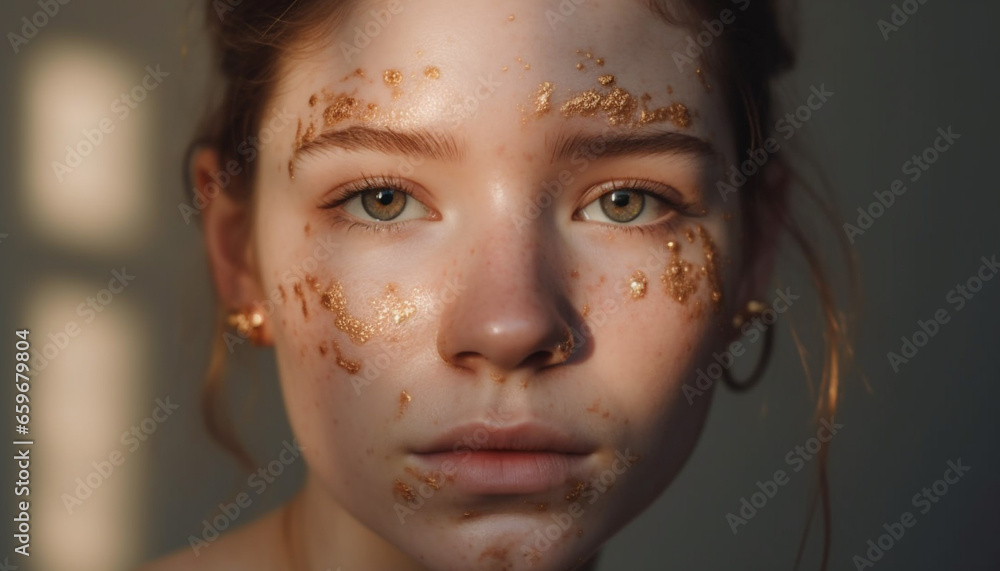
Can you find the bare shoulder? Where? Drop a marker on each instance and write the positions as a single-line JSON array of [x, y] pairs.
[[254, 546]]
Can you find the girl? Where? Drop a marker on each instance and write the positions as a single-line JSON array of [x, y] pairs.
[[493, 245]]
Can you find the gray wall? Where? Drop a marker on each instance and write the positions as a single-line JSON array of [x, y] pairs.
[[899, 429]]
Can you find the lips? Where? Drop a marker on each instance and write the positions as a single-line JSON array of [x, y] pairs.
[[525, 458]]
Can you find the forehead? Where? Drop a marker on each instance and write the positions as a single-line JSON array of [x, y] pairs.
[[484, 64]]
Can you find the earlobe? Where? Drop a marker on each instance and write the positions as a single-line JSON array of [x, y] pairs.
[[227, 221]]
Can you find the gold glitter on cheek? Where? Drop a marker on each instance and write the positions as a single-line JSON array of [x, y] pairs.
[[703, 79], [712, 268], [542, 97], [606, 80], [510, 18], [679, 277], [432, 72], [637, 285], [404, 491], [404, 403], [352, 367], [334, 300], [392, 308]]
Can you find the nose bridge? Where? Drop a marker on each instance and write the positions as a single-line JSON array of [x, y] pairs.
[[509, 314]]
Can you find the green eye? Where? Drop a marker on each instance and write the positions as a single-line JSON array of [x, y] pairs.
[[623, 205]]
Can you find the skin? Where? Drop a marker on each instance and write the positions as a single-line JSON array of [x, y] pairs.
[[492, 289]]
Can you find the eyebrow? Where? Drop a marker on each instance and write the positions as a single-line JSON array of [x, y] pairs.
[[416, 143], [629, 144]]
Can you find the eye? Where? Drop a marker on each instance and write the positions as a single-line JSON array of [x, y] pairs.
[[630, 203], [378, 201]]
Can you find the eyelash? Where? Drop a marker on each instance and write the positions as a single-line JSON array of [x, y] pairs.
[[356, 188], [646, 186]]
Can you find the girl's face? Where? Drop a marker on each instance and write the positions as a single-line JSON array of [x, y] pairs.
[[497, 251]]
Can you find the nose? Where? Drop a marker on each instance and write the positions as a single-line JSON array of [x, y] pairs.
[[512, 314]]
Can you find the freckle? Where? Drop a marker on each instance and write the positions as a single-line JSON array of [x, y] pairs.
[[281, 292], [606, 414], [307, 229], [586, 310], [504, 68], [323, 348], [528, 157], [670, 90], [579, 532], [370, 451], [542, 507], [524, 383], [404, 403], [498, 378], [603, 279], [313, 100], [595, 407], [575, 274]]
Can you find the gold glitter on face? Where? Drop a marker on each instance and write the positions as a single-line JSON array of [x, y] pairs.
[[637, 285], [680, 278], [404, 403], [392, 308], [404, 491], [342, 108], [711, 268], [352, 367], [432, 72], [542, 98], [392, 77], [334, 300], [498, 378], [606, 80], [565, 348], [425, 478], [703, 79]]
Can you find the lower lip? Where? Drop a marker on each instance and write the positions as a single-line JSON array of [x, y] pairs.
[[496, 472]]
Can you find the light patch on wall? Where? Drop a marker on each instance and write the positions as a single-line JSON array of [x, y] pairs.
[[90, 392], [86, 174]]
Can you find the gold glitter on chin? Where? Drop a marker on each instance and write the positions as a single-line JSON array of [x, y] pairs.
[[542, 98], [432, 72], [637, 285], [680, 278]]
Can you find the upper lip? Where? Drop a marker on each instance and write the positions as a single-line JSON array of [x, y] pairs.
[[527, 436]]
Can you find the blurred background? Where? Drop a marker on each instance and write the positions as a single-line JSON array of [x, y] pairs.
[[102, 265]]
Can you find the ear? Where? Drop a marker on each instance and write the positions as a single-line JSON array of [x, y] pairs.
[[227, 222], [762, 222]]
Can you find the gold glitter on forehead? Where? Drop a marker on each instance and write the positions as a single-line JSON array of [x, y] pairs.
[[342, 108], [432, 72], [542, 97], [392, 77]]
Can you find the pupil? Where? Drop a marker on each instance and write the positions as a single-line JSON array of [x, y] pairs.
[[620, 199], [385, 197]]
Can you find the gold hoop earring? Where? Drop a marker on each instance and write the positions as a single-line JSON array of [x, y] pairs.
[[248, 323], [753, 310]]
